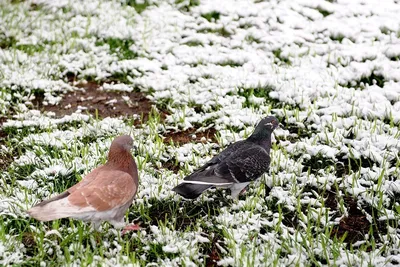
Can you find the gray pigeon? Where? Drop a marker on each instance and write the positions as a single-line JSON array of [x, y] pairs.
[[235, 167]]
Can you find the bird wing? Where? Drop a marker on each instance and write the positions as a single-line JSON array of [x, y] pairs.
[[110, 189], [233, 148], [86, 180], [243, 164], [222, 155]]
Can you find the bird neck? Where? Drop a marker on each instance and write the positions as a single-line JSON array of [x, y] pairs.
[[122, 159], [261, 138]]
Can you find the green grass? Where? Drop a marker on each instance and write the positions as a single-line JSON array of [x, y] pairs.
[[258, 92], [185, 5], [212, 16], [337, 37], [373, 79], [220, 31], [194, 43], [139, 6], [310, 209], [7, 41], [251, 39], [284, 60], [121, 47], [231, 63], [324, 12]]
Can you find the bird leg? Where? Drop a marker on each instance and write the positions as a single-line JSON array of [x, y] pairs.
[[243, 191], [238, 188], [97, 237], [130, 227], [119, 223], [96, 228]]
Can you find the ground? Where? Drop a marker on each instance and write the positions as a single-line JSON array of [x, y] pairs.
[[185, 79]]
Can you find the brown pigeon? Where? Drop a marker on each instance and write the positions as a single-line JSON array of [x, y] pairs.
[[105, 194]]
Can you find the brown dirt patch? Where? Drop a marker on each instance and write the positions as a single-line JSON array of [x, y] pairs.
[[185, 137], [29, 242], [330, 200], [3, 134], [346, 165], [213, 253], [295, 132], [100, 103], [290, 219], [356, 225], [6, 158], [171, 165], [191, 135]]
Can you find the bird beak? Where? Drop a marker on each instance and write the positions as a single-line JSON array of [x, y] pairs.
[[280, 125]]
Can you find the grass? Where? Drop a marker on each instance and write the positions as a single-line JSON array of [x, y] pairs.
[[121, 47], [284, 60], [261, 92], [367, 80], [220, 31], [251, 39], [315, 207], [211, 16], [231, 63], [185, 5], [324, 12], [337, 37], [194, 43], [139, 6]]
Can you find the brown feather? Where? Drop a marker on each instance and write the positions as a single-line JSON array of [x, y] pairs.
[[110, 187], [86, 180]]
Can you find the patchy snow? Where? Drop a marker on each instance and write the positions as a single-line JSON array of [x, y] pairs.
[[116, 87], [330, 72]]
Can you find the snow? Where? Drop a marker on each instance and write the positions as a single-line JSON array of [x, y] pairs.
[[116, 87], [332, 75]]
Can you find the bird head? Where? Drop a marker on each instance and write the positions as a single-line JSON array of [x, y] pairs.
[[269, 123], [125, 142], [264, 129]]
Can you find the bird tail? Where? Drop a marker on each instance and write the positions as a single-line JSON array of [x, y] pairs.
[[51, 209], [191, 191]]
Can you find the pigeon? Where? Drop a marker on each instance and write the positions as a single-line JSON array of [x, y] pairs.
[[235, 167], [105, 194]]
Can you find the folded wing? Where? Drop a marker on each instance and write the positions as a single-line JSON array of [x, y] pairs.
[[107, 190], [242, 165]]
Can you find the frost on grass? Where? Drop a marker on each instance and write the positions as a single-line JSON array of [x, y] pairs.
[[329, 70], [11, 251]]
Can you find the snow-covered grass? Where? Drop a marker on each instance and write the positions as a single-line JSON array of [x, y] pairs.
[[328, 70]]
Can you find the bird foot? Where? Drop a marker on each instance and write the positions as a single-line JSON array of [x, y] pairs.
[[130, 227], [98, 238]]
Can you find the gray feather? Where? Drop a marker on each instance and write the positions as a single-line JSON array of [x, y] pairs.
[[240, 163]]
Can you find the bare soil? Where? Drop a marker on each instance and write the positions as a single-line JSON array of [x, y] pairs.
[[213, 254], [6, 158], [356, 225], [100, 103], [190, 135], [184, 137]]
